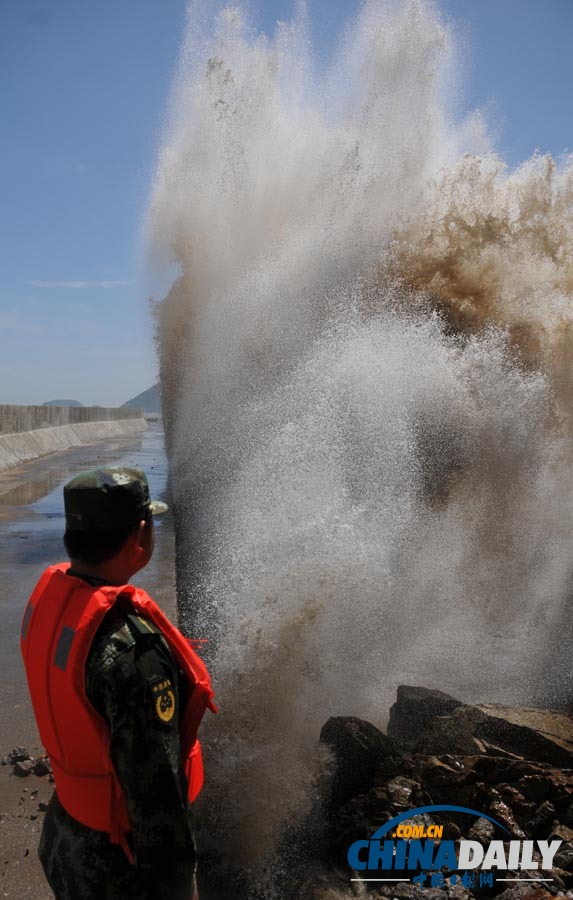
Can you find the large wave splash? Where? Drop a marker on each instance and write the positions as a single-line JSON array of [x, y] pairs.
[[367, 392]]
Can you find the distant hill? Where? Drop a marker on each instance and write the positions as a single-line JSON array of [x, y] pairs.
[[149, 401], [62, 403]]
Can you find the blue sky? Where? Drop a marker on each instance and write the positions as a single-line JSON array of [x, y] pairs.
[[83, 90]]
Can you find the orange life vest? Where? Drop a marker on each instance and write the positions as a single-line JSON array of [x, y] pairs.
[[59, 625]]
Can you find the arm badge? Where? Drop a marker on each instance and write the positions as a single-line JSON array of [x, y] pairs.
[[163, 694]]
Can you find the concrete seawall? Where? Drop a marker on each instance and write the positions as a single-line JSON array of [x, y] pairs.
[[28, 432], [14, 419]]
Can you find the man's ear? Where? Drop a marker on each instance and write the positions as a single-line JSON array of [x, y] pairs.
[[139, 534]]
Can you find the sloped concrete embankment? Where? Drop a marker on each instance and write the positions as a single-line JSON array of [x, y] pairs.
[[49, 429]]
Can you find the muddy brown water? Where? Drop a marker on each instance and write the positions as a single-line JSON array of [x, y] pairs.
[[31, 528]]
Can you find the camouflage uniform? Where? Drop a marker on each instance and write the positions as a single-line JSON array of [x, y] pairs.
[[128, 658]]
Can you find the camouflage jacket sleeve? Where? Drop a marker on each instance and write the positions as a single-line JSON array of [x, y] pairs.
[[133, 681]]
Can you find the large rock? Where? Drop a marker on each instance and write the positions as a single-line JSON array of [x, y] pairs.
[[358, 749], [453, 734], [540, 734], [414, 709], [432, 722]]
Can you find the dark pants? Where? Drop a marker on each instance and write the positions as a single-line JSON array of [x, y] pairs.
[[82, 864]]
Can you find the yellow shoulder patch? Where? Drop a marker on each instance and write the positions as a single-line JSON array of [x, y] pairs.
[[164, 700]]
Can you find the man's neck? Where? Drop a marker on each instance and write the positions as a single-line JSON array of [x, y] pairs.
[[104, 573]]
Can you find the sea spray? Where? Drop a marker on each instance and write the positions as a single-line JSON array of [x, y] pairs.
[[366, 392]]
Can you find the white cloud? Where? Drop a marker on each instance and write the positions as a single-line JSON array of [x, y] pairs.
[[79, 284]]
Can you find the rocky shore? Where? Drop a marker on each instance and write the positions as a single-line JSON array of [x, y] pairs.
[[514, 765]]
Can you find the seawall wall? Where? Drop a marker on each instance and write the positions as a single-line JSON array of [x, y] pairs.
[[14, 419], [28, 432]]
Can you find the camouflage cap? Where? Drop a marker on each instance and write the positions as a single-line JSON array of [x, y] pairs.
[[108, 498]]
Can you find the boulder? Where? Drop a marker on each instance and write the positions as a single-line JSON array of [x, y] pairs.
[[504, 815], [444, 770], [538, 734], [481, 831], [403, 792], [564, 856], [414, 709], [512, 733], [452, 734], [358, 748]]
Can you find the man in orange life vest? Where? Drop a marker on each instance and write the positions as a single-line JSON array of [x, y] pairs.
[[118, 695]]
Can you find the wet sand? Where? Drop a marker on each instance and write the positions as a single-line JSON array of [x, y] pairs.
[[31, 529]]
